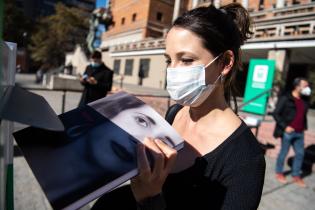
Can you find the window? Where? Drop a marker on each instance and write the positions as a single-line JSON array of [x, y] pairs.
[[116, 66], [296, 2], [112, 25], [134, 17], [159, 16], [122, 21], [128, 67], [144, 68]]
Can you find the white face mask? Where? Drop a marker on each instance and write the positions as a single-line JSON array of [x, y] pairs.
[[187, 85], [95, 64], [306, 91]]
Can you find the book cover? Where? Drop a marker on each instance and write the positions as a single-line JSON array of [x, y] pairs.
[[97, 150]]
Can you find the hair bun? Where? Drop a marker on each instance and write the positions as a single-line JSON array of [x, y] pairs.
[[241, 18]]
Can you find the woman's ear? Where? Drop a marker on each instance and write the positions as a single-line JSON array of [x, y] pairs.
[[228, 62]]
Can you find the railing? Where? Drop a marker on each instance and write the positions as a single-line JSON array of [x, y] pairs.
[[295, 30], [256, 127], [64, 97], [283, 13], [255, 98], [141, 45]]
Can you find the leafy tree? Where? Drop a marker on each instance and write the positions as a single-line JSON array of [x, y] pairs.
[[57, 34], [16, 25]]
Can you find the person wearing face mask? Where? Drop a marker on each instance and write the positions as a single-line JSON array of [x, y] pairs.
[[221, 165], [291, 121], [97, 80]]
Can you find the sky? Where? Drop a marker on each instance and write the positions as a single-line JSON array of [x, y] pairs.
[[100, 3], [101, 29]]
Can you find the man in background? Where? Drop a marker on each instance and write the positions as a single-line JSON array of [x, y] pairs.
[[291, 121], [97, 80]]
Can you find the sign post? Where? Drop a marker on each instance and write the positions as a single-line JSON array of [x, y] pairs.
[[259, 79]]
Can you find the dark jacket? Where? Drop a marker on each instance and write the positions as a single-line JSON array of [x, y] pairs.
[[104, 77], [284, 114]]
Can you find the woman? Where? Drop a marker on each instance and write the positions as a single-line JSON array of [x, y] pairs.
[[221, 165]]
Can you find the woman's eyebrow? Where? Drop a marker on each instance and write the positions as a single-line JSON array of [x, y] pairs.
[[182, 53], [151, 120]]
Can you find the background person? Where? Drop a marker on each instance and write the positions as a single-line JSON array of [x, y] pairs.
[[97, 80], [291, 121]]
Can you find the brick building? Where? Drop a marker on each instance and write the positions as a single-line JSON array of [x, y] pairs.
[[137, 20], [284, 30]]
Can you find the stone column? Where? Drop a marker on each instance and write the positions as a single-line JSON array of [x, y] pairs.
[[194, 4], [280, 3], [282, 63], [245, 4], [217, 3], [176, 9]]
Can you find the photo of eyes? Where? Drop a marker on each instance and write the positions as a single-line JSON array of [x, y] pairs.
[[97, 150]]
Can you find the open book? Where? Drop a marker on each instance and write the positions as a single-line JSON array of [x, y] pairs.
[[97, 150]]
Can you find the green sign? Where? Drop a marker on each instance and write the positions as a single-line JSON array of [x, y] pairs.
[[259, 80]]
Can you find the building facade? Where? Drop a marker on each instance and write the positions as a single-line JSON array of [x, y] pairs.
[[138, 20], [284, 30]]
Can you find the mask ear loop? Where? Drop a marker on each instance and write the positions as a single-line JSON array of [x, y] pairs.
[[222, 78], [213, 60]]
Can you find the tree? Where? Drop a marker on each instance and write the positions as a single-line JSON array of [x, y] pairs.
[[57, 34], [16, 24]]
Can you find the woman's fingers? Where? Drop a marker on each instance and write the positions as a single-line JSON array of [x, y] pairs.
[[169, 153], [143, 162], [150, 182], [157, 154], [164, 157]]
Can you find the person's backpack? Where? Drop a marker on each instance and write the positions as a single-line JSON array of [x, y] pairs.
[[171, 113]]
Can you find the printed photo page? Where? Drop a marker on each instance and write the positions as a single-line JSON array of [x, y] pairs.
[[97, 150]]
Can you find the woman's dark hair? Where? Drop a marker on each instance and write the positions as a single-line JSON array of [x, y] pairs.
[[221, 29], [115, 104]]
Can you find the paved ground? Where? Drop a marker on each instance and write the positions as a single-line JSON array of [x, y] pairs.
[[28, 195]]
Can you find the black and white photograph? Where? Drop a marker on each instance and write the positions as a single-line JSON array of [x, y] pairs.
[[97, 150]]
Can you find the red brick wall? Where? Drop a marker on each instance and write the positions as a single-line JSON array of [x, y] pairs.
[[166, 9], [125, 9]]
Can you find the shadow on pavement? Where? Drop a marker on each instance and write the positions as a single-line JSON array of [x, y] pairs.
[[308, 161]]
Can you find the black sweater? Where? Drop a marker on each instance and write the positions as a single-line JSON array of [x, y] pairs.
[[229, 177]]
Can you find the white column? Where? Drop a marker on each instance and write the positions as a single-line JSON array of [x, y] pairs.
[[282, 61], [217, 3], [280, 3], [194, 3], [245, 4], [176, 9]]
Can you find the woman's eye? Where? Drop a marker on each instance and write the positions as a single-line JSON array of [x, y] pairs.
[[187, 61], [142, 122], [168, 62]]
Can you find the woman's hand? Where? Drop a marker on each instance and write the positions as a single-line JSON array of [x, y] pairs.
[[149, 182]]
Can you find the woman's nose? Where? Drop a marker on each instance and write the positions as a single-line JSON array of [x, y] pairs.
[[173, 64]]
